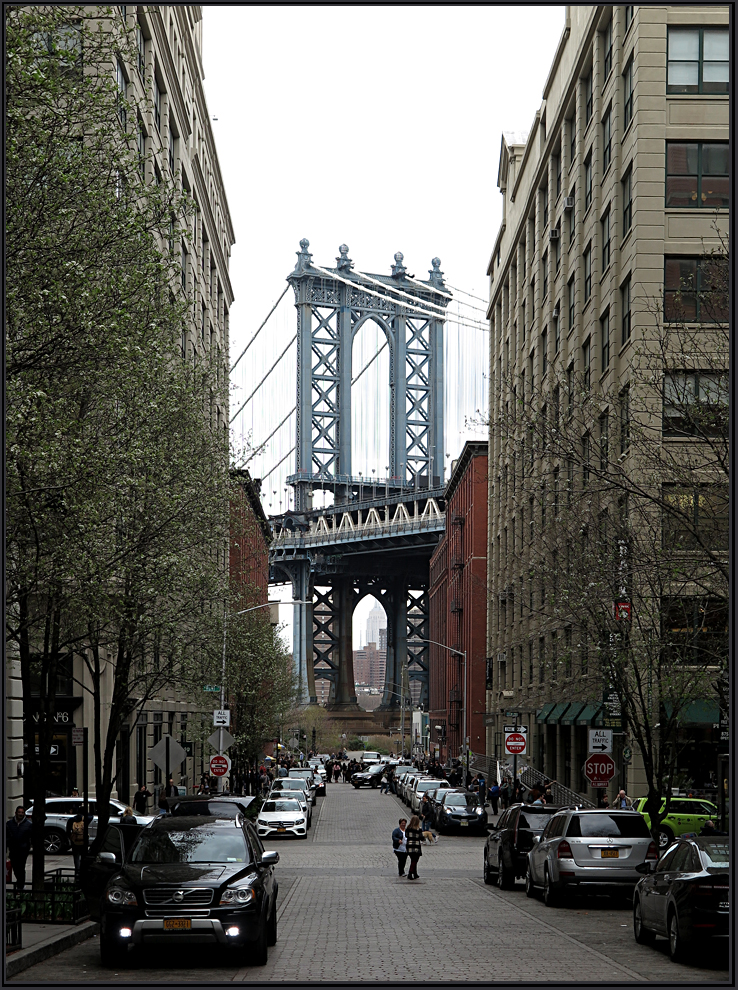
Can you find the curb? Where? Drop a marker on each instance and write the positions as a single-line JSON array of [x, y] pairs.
[[24, 958]]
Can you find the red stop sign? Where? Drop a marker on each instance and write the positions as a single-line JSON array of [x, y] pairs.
[[219, 765], [515, 743], [599, 769]]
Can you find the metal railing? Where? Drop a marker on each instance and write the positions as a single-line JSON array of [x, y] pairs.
[[61, 902], [562, 795], [13, 930]]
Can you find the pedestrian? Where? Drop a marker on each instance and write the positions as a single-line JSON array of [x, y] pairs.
[[140, 797], [494, 796], [399, 845], [76, 836], [604, 801], [163, 806], [622, 800], [18, 842], [548, 793], [426, 813], [336, 772], [171, 790], [414, 842], [128, 818], [482, 790], [709, 829], [505, 794], [75, 792]]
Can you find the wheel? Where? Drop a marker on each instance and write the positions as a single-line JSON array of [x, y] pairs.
[[550, 894], [677, 946], [259, 952], [488, 879], [113, 954], [666, 837], [530, 890], [643, 936], [54, 842], [272, 926], [505, 878]]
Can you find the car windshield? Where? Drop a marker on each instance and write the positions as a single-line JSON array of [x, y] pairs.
[[532, 820], [287, 785], [217, 809], [462, 800], [191, 845], [285, 805], [608, 826], [716, 854]]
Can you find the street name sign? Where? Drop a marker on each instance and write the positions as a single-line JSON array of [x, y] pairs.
[[222, 716], [600, 740], [158, 753], [219, 765], [599, 770], [516, 739], [212, 688]]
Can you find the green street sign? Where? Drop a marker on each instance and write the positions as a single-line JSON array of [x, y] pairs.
[[511, 714], [627, 753], [213, 688]]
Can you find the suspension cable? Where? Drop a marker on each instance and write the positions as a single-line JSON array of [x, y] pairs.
[[241, 407], [423, 302], [259, 330], [290, 451], [472, 296]]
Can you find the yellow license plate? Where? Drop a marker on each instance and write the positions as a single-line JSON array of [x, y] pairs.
[[281, 829], [464, 823], [610, 853], [177, 924]]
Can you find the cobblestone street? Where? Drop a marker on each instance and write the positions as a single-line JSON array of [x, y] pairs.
[[346, 915]]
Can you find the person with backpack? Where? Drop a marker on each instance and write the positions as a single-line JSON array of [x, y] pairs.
[[494, 796], [76, 836]]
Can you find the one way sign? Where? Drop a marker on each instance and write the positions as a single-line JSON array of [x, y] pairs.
[[600, 740]]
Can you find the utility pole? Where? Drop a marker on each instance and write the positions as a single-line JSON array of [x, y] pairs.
[[402, 708]]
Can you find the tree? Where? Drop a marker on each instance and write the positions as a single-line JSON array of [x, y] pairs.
[[622, 492], [116, 471]]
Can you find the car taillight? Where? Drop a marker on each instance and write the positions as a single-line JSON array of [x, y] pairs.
[[653, 853], [702, 889], [515, 833], [564, 850]]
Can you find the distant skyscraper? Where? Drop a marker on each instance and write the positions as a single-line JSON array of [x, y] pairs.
[[375, 624]]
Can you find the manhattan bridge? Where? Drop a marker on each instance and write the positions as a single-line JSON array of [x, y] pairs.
[[343, 535]]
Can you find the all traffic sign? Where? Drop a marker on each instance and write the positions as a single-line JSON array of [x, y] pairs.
[[219, 765], [600, 740], [599, 769]]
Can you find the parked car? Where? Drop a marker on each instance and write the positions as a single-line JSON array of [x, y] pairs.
[[282, 815], [598, 848], [685, 815], [419, 786], [510, 841], [368, 778], [404, 779], [685, 895], [59, 810], [460, 811], [305, 774], [319, 772], [295, 788], [186, 880], [217, 805]]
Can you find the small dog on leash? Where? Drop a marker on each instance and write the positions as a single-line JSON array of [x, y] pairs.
[[430, 838]]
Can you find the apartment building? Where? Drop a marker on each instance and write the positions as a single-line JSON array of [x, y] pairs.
[[175, 139], [612, 197]]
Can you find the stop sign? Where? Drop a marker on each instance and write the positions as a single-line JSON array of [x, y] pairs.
[[599, 769], [219, 765]]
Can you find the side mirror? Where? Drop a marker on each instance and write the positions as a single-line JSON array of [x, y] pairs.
[[647, 867], [536, 839], [107, 857], [270, 858]]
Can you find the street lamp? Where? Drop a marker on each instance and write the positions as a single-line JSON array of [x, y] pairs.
[[461, 653]]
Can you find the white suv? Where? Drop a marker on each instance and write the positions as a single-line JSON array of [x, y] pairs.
[[60, 809]]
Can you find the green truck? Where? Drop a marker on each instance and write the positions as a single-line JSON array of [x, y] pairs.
[[685, 815]]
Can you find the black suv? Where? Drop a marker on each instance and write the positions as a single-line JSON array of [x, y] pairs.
[[184, 881], [371, 777], [511, 839]]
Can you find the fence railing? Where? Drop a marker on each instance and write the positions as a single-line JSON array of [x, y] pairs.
[[562, 795], [13, 930], [61, 902]]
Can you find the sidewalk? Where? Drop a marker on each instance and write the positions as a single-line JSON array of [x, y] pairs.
[[43, 941]]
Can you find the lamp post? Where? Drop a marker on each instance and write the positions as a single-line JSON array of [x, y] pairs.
[[461, 653]]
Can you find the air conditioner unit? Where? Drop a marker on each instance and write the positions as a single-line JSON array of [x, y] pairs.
[[456, 605], [553, 235], [568, 202]]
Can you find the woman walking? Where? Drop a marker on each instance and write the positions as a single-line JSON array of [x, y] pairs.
[[414, 841]]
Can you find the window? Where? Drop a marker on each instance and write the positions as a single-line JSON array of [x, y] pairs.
[[572, 140], [697, 60], [572, 302], [141, 149], [120, 80], [183, 343], [584, 649], [695, 518], [557, 249], [604, 441], [557, 328], [697, 175], [572, 196], [557, 173], [183, 264], [585, 458], [696, 403], [627, 185], [544, 352], [607, 46], [531, 509], [556, 494], [587, 272], [569, 480], [629, 11], [141, 47], [605, 338], [530, 661], [695, 289], [624, 420], [541, 659], [522, 318], [588, 98], [628, 94], [607, 139], [157, 106], [588, 181], [586, 364], [544, 204], [544, 264], [171, 150], [694, 630], [556, 410], [605, 225]]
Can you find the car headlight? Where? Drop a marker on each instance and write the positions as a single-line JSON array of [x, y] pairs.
[[260, 821], [120, 896], [237, 896], [300, 821], [480, 811]]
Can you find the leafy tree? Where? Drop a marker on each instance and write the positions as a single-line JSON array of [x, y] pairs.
[[116, 472]]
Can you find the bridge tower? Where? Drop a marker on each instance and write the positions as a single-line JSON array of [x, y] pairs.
[[332, 305]]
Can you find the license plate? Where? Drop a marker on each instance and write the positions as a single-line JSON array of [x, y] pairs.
[[610, 853], [464, 823], [177, 924], [281, 829], [723, 905]]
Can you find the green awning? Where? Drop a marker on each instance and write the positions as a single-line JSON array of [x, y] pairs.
[[556, 712], [572, 713], [543, 712], [587, 714], [700, 712]]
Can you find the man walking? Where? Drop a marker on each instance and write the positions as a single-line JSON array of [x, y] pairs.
[[399, 846], [18, 841], [139, 799]]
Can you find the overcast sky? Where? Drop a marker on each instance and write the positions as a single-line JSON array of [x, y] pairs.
[[374, 126]]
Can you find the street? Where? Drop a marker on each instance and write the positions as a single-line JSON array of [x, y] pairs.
[[344, 914]]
